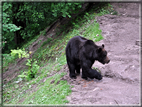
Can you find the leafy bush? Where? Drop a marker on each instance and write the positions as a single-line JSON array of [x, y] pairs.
[[21, 53], [32, 64], [32, 71]]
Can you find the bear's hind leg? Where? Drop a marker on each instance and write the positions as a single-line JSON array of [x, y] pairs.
[[77, 68], [72, 70]]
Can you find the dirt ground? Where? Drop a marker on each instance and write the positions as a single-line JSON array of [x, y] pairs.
[[121, 77]]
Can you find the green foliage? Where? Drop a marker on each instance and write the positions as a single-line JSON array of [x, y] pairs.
[[54, 93], [21, 53], [8, 28], [106, 9], [32, 71], [47, 41], [7, 59], [65, 9], [97, 69], [30, 18], [6, 22], [93, 31], [33, 66]]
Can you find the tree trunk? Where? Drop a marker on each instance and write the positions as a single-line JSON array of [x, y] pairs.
[[18, 38]]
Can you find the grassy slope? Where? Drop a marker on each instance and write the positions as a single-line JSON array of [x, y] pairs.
[[46, 89]]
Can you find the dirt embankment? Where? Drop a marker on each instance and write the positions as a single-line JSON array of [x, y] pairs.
[[121, 77]]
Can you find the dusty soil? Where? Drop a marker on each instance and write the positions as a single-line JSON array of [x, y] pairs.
[[121, 77]]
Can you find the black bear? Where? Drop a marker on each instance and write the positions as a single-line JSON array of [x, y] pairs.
[[82, 53]]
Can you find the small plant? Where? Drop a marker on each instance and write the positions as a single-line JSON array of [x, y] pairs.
[[32, 70], [97, 69], [33, 66]]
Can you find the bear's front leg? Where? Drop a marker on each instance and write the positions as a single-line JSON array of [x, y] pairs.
[[84, 75], [94, 74], [86, 66]]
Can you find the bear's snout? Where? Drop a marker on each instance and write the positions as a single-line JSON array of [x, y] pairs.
[[107, 60]]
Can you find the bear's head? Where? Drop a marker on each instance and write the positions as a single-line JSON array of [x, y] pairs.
[[102, 55]]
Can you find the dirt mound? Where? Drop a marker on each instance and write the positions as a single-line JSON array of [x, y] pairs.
[[121, 77]]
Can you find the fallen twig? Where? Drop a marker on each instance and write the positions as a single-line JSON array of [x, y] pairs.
[[116, 102]]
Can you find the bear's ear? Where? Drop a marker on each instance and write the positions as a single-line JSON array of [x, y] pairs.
[[99, 50], [103, 45]]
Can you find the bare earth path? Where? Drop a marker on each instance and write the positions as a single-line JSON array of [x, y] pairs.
[[121, 77]]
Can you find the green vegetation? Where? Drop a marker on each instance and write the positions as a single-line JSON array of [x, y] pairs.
[[97, 69], [48, 87], [23, 20], [32, 64], [52, 91]]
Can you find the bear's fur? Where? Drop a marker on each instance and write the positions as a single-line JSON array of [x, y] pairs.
[[82, 53]]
